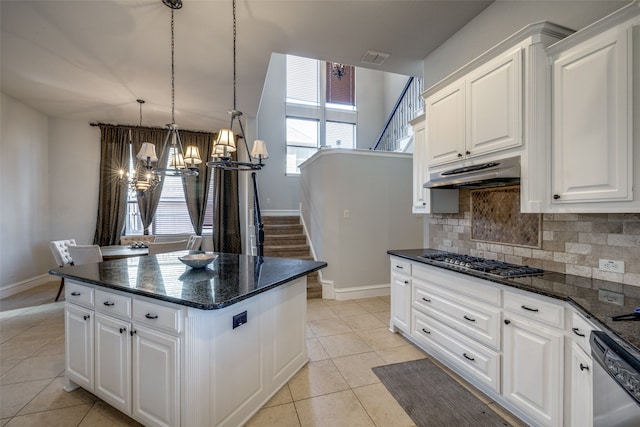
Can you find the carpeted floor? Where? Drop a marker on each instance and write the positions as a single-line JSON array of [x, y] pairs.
[[432, 398]]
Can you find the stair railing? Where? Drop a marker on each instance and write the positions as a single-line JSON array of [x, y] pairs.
[[409, 105], [257, 217]]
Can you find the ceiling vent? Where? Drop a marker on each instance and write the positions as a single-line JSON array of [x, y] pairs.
[[374, 58]]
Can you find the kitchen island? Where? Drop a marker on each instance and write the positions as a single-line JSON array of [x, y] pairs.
[[173, 346]]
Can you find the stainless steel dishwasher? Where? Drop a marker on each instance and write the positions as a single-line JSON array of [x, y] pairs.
[[616, 383]]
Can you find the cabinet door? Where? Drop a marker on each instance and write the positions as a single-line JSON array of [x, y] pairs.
[[113, 362], [420, 173], [79, 345], [581, 387], [156, 381], [401, 302], [592, 132], [446, 124], [494, 105], [532, 377]]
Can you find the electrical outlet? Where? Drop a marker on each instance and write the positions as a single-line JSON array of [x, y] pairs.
[[612, 266]]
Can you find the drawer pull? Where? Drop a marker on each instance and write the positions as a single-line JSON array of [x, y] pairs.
[[425, 331], [425, 299], [151, 316], [507, 321], [584, 367], [86, 317], [399, 267], [132, 333], [123, 330], [467, 357], [406, 282], [524, 307], [469, 319], [109, 303], [76, 294], [576, 331]]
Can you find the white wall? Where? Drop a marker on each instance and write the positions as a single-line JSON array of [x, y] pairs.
[[375, 188], [24, 195], [503, 18], [376, 94]]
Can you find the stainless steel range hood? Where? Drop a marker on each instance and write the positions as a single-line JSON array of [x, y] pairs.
[[481, 175]]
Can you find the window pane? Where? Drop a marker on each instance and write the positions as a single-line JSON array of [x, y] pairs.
[[302, 132], [340, 135], [172, 216], [297, 155], [302, 80]]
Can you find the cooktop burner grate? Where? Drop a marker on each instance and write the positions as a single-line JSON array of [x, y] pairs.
[[491, 267]]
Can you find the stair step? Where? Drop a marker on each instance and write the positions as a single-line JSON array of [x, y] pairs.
[[285, 239], [272, 229], [272, 220]]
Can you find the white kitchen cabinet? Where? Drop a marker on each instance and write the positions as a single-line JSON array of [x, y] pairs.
[[478, 114], [400, 295], [156, 381], [424, 200], [595, 139], [78, 345], [113, 361], [581, 365], [532, 369]]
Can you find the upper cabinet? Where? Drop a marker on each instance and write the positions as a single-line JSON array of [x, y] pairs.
[[480, 113], [595, 139]]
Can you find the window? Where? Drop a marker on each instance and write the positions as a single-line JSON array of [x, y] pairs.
[[321, 110]]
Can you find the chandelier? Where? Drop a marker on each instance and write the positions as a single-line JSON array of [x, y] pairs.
[[225, 141], [338, 70], [140, 178]]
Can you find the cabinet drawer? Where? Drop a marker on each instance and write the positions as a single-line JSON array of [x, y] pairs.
[[479, 361], [581, 331], [400, 266], [459, 283], [537, 308], [78, 294], [157, 315], [478, 321], [114, 304]]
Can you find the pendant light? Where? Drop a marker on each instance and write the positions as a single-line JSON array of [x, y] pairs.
[[225, 141]]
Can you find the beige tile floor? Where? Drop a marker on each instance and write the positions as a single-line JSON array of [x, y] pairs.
[[336, 388]]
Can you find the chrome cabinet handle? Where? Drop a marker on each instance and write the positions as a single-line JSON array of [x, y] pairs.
[[575, 331], [468, 358], [109, 303], [151, 316], [469, 319], [524, 307]]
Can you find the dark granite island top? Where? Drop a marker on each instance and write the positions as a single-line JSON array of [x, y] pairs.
[[229, 279], [582, 292]]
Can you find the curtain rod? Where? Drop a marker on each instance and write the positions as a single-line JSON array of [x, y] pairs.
[[149, 127]]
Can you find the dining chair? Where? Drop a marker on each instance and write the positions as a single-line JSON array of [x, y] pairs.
[[194, 242], [85, 254], [162, 247], [127, 240], [60, 251]]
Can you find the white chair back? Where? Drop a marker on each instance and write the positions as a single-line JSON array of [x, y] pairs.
[[85, 254], [127, 240], [60, 251], [162, 247], [194, 242]]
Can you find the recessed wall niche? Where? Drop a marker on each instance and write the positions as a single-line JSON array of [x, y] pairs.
[[496, 218]]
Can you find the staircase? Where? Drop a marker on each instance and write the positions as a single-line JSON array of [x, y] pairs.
[[285, 238]]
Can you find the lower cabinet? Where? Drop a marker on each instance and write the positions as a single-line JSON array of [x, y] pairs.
[[79, 345], [113, 362], [400, 295], [581, 365], [532, 369]]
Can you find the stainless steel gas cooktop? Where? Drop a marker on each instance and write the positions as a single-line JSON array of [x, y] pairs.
[[493, 268]]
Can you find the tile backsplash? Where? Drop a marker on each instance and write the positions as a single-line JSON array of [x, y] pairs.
[[571, 243]]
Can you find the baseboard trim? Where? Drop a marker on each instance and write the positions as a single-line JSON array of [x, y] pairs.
[[16, 288], [273, 212], [343, 294]]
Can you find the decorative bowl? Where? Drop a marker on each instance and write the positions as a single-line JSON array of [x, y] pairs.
[[198, 260]]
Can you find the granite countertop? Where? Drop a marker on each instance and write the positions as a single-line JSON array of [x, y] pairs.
[[229, 279], [582, 292]]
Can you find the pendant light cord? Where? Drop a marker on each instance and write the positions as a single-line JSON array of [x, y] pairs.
[[173, 80], [234, 55]]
